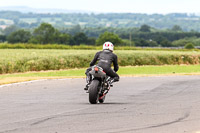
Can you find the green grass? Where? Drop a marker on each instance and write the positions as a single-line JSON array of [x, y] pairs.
[[18, 54], [123, 71], [61, 73], [160, 70], [23, 60], [81, 47]]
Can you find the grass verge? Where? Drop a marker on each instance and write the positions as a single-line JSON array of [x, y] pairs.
[[123, 71], [24, 60]]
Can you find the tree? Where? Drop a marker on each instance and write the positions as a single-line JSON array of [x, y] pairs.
[[159, 38], [10, 29], [166, 43], [176, 28], [145, 28], [23, 24], [180, 42], [63, 39], [108, 36], [189, 46], [152, 43], [2, 38], [16, 20], [80, 38], [75, 29], [91, 41], [20, 36], [44, 34], [141, 43]]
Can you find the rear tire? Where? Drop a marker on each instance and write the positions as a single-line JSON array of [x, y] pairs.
[[93, 92]]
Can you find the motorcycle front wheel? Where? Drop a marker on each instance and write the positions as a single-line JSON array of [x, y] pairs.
[[93, 92]]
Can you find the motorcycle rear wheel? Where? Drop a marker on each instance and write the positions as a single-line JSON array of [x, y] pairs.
[[93, 92]]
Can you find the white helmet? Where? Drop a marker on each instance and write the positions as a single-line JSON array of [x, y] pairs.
[[109, 46]]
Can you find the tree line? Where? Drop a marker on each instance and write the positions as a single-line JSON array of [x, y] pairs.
[[144, 36], [124, 20], [47, 34]]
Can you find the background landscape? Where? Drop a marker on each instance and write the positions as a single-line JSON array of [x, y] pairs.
[[39, 38], [46, 46], [135, 29]]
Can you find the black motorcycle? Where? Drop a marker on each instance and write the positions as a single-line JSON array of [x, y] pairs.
[[99, 86]]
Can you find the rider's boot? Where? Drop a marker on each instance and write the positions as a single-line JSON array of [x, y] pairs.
[[116, 79], [87, 86], [88, 80]]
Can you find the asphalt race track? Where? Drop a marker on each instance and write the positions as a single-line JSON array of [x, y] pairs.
[[167, 104]]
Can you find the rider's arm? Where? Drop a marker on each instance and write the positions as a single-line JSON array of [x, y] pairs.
[[92, 63], [115, 63]]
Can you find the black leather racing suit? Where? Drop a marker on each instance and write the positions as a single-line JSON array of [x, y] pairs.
[[105, 58]]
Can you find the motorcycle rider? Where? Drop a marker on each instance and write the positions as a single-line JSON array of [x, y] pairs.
[[105, 58]]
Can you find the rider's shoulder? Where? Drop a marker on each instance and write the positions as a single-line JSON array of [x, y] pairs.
[[99, 52], [114, 55]]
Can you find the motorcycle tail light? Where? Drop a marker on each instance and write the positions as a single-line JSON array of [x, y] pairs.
[[96, 69]]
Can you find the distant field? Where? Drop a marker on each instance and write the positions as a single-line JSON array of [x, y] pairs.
[[23, 60], [7, 21], [29, 20]]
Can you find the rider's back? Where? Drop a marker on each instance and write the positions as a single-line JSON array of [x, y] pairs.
[[105, 59]]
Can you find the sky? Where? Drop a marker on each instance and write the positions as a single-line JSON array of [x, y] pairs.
[[124, 6]]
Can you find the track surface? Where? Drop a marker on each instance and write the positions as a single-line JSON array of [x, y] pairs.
[[168, 104]]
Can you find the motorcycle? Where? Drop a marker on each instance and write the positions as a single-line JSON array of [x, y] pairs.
[[100, 85]]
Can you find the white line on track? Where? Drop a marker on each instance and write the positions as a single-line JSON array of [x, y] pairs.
[[32, 81], [1, 86]]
